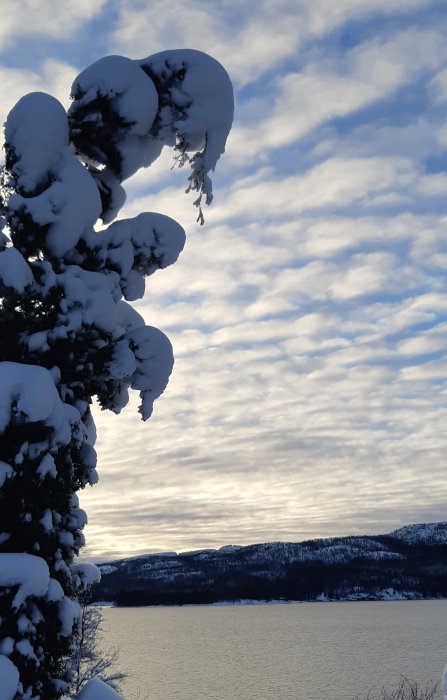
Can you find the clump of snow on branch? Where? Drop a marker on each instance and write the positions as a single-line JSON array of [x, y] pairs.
[[69, 332], [95, 689], [196, 111], [28, 572], [188, 105], [29, 575], [131, 249], [28, 391], [9, 679], [50, 181], [36, 133], [15, 273]]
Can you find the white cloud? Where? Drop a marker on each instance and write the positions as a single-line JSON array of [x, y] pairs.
[[334, 184], [325, 15], [50, 19], [438, 87], [429, 343], [250, 39], [267, 35], [335, 86], [53, 76], [308, 315]]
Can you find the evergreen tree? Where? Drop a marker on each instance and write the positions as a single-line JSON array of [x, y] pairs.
[[68, 332]]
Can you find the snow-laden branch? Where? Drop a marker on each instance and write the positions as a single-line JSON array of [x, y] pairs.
[[95, 689], [124, 112], [132, 249]]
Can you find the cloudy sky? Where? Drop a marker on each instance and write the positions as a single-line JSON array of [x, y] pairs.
[[309, 315]]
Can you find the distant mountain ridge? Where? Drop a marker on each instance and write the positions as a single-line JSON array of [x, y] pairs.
[[428, 532], [408, 563]]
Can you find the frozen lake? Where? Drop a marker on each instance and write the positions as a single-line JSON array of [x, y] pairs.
[[299, 651]]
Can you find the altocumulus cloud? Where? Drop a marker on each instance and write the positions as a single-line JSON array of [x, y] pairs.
[[309, 315]]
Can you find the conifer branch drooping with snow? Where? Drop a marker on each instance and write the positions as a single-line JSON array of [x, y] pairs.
[[68, 332]]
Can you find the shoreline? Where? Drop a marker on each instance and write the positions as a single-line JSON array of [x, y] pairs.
[[250, 602]]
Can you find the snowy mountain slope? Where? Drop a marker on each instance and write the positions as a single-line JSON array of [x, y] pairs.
[[436, 533], [411, 562]]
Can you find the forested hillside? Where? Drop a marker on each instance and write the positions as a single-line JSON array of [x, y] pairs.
[[408, 563]]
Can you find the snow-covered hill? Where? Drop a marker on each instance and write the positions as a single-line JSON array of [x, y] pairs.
[[409, 562], [434, 533]]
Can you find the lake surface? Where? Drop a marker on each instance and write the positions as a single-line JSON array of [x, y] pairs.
[[299, 651]]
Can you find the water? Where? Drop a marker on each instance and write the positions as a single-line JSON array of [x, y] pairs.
[[308, 651]]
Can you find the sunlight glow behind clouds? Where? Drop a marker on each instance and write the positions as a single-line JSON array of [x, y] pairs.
[[309, 315]]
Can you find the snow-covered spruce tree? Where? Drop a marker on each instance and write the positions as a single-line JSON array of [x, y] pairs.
[[68, 332]]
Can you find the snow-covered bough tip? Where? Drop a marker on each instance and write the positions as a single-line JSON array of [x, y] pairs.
[[125, 111]]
